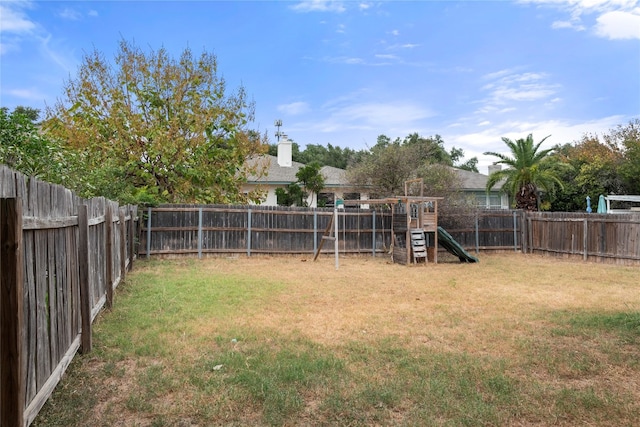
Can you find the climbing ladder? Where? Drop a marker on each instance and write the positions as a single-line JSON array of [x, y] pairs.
[[418, 245]]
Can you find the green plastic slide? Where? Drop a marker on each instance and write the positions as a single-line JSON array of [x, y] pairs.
[[446, 241]]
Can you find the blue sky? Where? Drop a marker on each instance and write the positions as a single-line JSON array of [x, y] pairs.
[[344, 72]]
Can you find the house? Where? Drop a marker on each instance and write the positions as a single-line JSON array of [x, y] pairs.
[[474, 184], [281, 171]]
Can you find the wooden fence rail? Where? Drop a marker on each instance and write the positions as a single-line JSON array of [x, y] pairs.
[[223, 229], [201, 230], [61, 258]]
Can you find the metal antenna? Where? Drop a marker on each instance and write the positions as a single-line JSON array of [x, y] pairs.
[[277, 124]]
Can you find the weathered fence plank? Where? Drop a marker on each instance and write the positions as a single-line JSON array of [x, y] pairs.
[[61, 262], [178, 230], [12, 367], [251, 230], [84, 276]]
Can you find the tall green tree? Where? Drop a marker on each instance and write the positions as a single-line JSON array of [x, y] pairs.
[[388, 164], [26, 149], [311, 179], [587, 167], [385, 168], [627, 139], [159, 128], [529, 170], [292, 195]]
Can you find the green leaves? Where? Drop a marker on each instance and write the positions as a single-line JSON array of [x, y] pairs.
[[168, 125], [528, 170], [24, 148]]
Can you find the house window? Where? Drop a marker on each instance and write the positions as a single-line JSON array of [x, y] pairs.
[[495, 201], [488, 201], [326, 200]]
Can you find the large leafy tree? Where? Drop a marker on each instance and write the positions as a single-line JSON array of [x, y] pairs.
[[594, 165], [593, 170], [24, 148], [529, 170], [627, 140], [156, 128], [388, 164], [385, 168]]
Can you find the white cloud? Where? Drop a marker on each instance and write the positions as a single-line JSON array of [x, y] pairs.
[[618, 25], [614, 19], [31, 94], [70, 14], [349, 115], [19, 30], [294, 108], [389, 114], [63, 58], [93, 13], [14, 20], [477, 139], [556, 25], [508, 86], [385, 56], [343, 60], [319, 6]]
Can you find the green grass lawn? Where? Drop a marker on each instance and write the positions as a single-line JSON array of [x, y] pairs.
[[513, 340]]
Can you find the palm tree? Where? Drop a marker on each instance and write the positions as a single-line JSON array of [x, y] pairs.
[[528, 170]]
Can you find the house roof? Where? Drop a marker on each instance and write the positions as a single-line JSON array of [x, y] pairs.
[[276, 174], [335, 177], [474, 181]]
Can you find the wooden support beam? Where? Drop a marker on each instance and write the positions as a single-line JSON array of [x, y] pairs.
[[327, 232]]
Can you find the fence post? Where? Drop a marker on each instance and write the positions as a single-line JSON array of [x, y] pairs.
[[530, 232], [85, 286], [131, 241], [515, 233], [373, 244], [584, 239], [477, 234], [200, 232], [12, 368], [123, 244], [148, 233], [523, 231], [108, 230], [249, 232], [315, 230]]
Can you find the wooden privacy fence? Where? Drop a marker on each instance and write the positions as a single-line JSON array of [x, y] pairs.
[[487, 230], [224, 229], [611, 238], [591, 237], [61, 258], [194, 229]]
